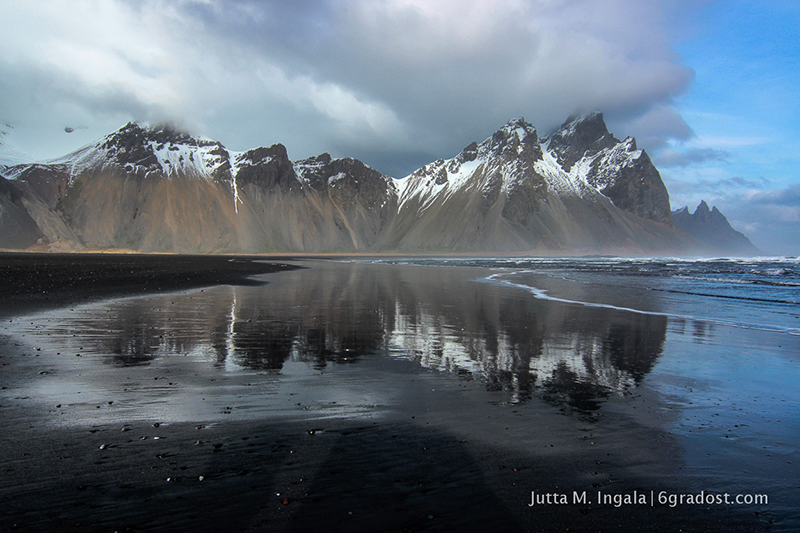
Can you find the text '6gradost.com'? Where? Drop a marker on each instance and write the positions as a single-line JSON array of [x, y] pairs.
[[648, 498]]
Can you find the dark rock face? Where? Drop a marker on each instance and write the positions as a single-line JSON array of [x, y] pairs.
[[469, 153], [46, 182], [637, 189], [517, 151], [618, 169], [347, 181], [514, 139], [315, 171], [129, 147], [354, 182], [580, 136], [267, 168], [712, 227]]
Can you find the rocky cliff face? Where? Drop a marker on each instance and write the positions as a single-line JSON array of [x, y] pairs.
[[712, 228], [580, 190], [616, 168]]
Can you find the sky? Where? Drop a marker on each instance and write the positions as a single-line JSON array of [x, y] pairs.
[[708, 88]]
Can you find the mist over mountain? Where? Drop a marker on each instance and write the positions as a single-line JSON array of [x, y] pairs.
[[157, 189], [712, 228], [9, 155]]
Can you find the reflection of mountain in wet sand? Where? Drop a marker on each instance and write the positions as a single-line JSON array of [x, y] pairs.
[[523, 345], [340, 313]]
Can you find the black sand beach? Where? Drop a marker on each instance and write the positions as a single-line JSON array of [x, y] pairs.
[[33, 281], [344, 397]]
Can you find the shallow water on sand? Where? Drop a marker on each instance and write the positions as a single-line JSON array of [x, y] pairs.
[[332, 315], [722, 382]]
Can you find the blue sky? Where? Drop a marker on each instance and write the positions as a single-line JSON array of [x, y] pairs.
[[744, 109], [709, 89]]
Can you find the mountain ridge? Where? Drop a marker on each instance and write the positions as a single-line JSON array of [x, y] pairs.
[[154, 188], [710, 226]]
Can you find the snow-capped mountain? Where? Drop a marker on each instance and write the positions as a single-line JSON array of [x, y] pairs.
[[158, 189], [155, 188], [579, 189]]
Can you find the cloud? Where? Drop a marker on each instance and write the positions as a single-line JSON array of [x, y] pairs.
[[658, 125], [355, 77], [774, 217], [670, 157], [731, 141], [713, 186], [790, 196]]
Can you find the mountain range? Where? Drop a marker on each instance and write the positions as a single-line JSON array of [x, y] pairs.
[[156, 189]]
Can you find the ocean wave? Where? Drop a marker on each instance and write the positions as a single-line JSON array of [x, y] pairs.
[[543, 294], [739, 281]]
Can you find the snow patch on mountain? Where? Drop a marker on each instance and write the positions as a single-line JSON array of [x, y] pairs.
[[336, 177], [235, 163], [303, 168], [563, 183], [148, 150], [81, 160], [199, 160], [610, 162]]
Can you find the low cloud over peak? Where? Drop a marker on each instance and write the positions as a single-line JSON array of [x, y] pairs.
[[362, 78]]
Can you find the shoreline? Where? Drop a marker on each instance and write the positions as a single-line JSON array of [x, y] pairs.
[[554, 254]]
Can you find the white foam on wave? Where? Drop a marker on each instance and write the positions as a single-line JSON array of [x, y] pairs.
[[542, 294]]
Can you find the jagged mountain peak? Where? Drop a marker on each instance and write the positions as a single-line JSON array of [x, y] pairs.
[[262, 154], [160, 150], [324, 159], [155, 134], [579, 135], [712, 227], [703, 212], [587, 128], [593, 119], [322, 171], [509, 139], [517, 126]]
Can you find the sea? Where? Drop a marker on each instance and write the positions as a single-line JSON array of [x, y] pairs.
[[753, 292]]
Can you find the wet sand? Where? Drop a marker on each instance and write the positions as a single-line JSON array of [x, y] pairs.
[[342, 397]]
